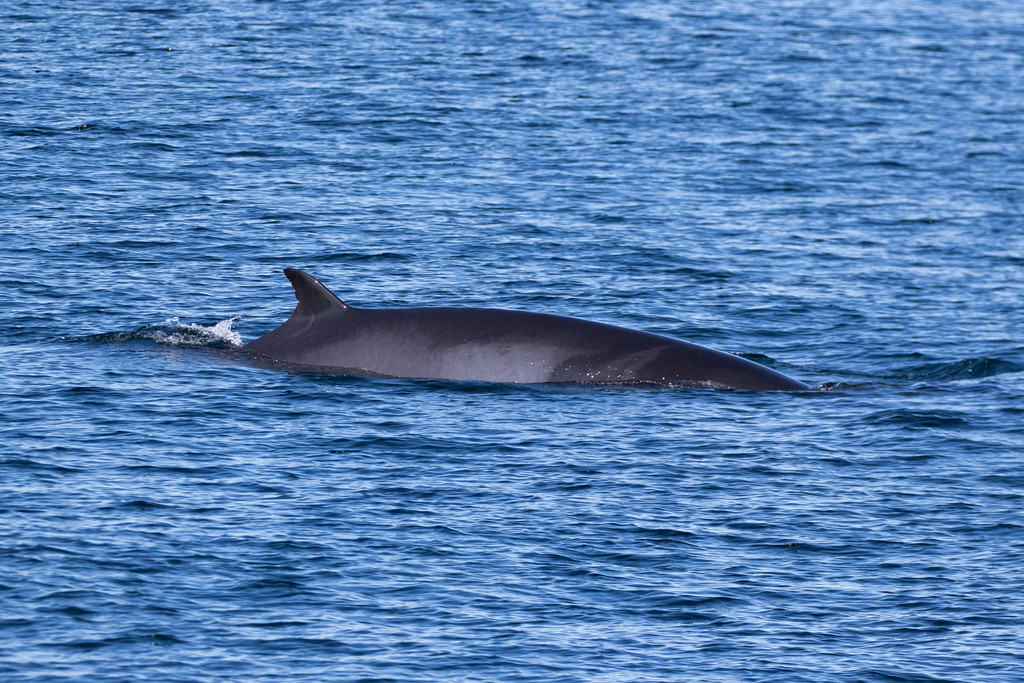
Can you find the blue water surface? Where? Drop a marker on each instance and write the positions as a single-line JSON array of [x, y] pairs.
[[833, 189]]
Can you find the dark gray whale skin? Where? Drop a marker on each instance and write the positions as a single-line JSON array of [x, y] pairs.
[[493, 345]]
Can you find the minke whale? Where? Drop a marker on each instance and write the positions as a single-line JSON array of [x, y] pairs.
[[493, 345]]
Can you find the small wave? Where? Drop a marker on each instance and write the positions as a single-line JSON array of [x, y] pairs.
[[921, 419], [967, 368], [173, 332]]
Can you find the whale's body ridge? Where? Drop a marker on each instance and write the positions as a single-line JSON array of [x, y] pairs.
[[493, 345]]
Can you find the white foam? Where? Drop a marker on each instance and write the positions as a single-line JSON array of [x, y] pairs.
[[178, 333]]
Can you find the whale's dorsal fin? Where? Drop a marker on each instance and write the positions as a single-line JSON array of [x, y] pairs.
[[312, 296]]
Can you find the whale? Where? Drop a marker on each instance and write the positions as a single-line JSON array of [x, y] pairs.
[[492, 345]]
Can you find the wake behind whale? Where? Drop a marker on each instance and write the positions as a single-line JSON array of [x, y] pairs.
[[493, 345]]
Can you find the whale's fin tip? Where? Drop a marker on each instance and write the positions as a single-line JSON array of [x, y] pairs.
[[311, 294]]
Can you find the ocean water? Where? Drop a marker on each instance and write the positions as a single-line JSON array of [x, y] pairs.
[[831, 188]]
